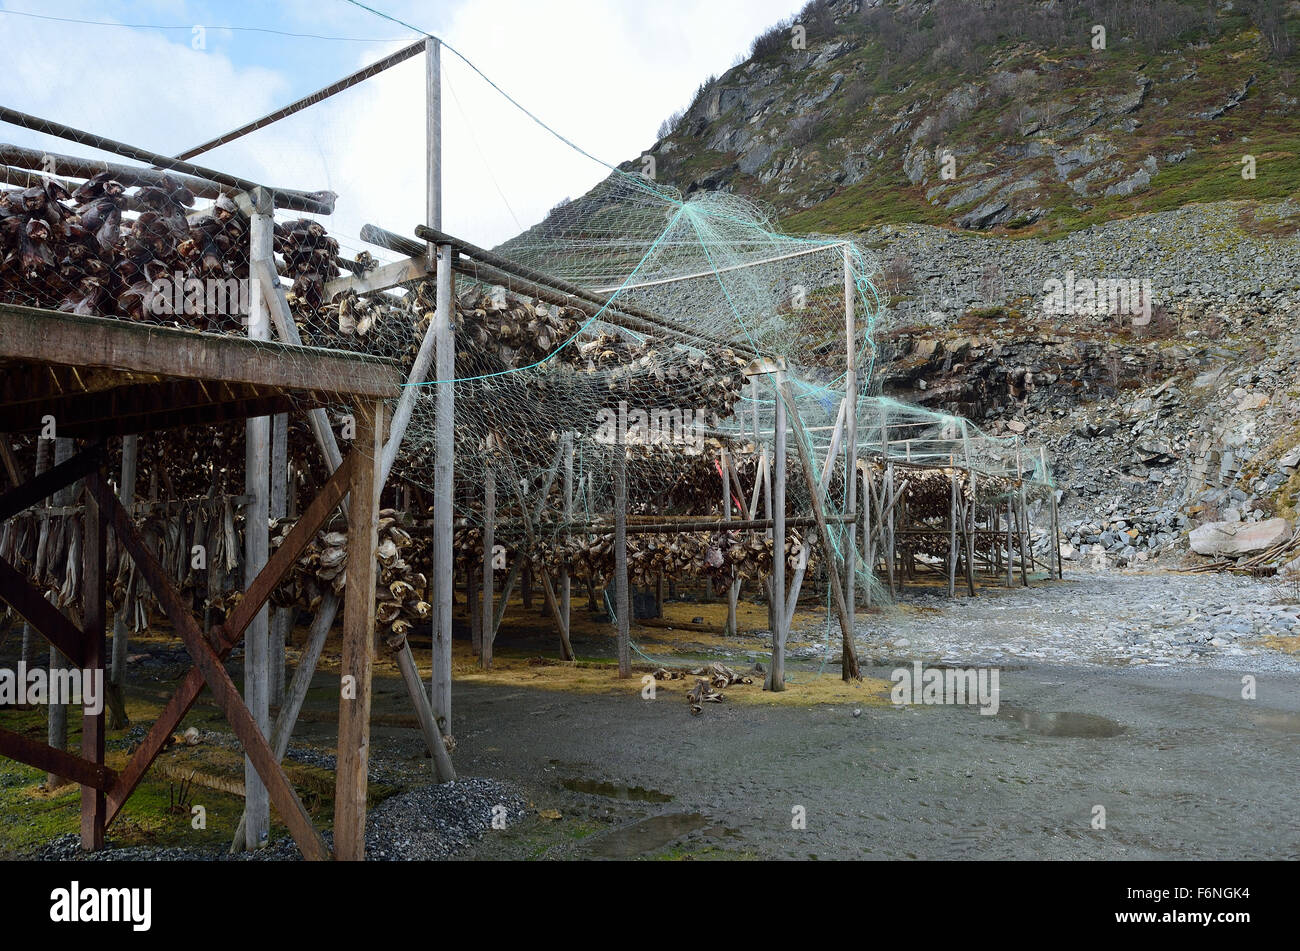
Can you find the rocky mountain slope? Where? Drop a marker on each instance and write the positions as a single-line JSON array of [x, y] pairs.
[[992, 152], [1001, 114]]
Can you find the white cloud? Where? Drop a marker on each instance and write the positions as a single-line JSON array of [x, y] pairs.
[[603, 73]]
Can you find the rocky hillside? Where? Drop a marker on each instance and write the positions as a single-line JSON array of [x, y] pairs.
[[991, 152], [998, 114]]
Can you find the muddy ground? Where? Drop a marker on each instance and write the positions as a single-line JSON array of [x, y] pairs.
[[1120, 691]]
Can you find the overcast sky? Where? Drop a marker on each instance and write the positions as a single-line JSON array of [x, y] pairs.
[[603, 73]]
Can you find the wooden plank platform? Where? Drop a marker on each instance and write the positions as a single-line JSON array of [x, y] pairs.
[[100, 376]]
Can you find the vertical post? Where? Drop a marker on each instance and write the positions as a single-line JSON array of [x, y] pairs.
[[358, 636], [444, 492], [620, 554], [445, 397], [1009, 568], [1056, 524], [94, 809], [474, 604], [257, 452], [850, 431], [126, 493], [952, 529], [971, 525], [282, 618], [733, 591], [57, 728], [489, 544], [433, 132], [1022, 524], [776, 677], [43, 447], [868, 550], [566, 580], [764, 475]]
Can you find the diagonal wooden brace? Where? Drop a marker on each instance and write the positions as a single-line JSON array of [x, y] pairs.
[[45, 617], [224, 637], [49, 482], [208, 661], [60, 762]]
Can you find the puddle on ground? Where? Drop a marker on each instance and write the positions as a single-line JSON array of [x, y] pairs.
[[611, 791], [644, 836], [1062, 724], [1278, 720]]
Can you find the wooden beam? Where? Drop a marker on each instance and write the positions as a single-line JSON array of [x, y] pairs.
[[41, 614], [43, 336], [47, 483], [381, 278], [60, 762], [296, 693], [443, 770], [94, 809], [444, 488], [226, 636], [849, 661], [257, 486], [224, 692], [357, 665]]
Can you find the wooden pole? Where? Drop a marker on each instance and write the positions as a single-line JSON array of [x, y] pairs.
[[443, 770], [620, 554], [1022, 524], [43, 450], [57, 728], [296, 693], [433, 133], [850, 431], [776, 676], [94, 807], [1009, 559], [868, 549], [489, 576], [282, 618], [971, 509], [126, 492], [358, 636], [952, 530], [444, 492], [566, 580], [849, 659], [257, 437], [733, 590]]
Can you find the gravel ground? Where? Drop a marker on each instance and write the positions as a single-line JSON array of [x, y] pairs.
[[432, 822], [1103, 618]]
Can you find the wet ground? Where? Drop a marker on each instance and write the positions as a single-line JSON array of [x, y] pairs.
[[1123, 731], [1163, 741], [1182, 765]]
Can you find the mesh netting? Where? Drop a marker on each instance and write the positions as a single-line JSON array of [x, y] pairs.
[[692, 309]]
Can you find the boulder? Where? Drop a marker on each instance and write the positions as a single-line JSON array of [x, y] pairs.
[[1239, 538]]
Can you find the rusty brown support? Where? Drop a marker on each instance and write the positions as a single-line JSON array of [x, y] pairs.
[[50, 481], [94, 808], [47, 758], [43, 616], [353, 761], [283, 797], [224, 638]]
